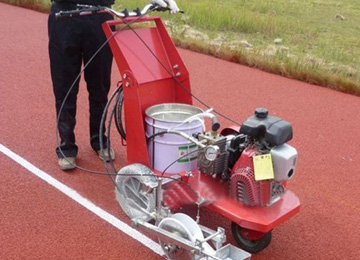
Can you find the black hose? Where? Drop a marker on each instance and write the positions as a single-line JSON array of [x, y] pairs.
[[118, 114]]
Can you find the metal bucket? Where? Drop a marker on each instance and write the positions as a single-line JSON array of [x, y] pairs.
[[170, 152]]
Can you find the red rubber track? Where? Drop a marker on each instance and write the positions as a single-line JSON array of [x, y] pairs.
[[39, 222]]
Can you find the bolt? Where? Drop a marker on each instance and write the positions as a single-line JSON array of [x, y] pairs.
[[127, 84], [178, 74], [124, 76], [176, 66]]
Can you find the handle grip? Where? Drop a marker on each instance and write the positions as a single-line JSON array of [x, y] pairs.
[[78, 12], [164, 9]]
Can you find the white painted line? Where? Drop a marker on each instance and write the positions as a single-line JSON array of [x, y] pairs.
[[123, 227]]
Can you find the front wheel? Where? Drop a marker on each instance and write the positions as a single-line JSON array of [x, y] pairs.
[[250, 240], [134, 191]]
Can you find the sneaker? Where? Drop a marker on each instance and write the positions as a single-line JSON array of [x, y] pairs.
[[106, 155], [67, 163]]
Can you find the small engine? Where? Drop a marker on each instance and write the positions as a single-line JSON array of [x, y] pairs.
[[259, 135], [265, 135], [247, 190]]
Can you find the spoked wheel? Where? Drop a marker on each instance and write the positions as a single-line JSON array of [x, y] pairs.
[[134, 191], [180, 225], [250, 240]]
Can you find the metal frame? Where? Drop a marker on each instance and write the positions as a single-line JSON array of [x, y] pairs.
[[218, 237]]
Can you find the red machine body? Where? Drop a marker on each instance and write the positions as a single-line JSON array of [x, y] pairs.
[[145, 83]]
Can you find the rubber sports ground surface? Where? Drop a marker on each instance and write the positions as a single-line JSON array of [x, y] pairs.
[[38, 221]]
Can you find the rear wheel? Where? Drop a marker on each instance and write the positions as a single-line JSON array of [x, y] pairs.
[[250, 240]]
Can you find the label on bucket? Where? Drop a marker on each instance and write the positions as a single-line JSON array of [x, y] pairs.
[[187, 153]]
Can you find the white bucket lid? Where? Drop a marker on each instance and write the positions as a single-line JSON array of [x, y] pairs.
[[172, 112]]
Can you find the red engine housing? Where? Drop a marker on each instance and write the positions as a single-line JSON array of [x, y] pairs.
[[243, 186]]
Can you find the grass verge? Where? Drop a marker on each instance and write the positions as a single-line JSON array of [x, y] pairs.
[[315, 41]]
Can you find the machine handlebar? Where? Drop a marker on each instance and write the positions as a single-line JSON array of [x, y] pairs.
[[91, 9]]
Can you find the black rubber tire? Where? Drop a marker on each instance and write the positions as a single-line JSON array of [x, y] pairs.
[[251, 246]]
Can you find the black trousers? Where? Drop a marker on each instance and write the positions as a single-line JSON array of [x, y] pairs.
[[73, 42]]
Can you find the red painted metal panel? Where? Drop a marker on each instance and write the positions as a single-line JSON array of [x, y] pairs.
[[147, 62], [262, 219], [152, 72]]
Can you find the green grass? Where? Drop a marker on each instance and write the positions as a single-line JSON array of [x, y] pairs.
[[316, 47], [38, 5]]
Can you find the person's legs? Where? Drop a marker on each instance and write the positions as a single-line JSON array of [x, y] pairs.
[[65, 61], [97, 75]]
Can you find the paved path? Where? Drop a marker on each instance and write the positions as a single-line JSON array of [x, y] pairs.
[[37, 221]]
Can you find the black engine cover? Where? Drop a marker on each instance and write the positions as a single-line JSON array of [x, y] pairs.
[[274, 130]]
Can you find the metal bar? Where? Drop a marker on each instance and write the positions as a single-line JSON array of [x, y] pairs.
[[217, 241], [219, 232], [168, 237], [158, 199]]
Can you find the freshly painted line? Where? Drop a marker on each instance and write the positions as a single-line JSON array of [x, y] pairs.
[[123, 227]]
